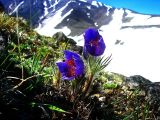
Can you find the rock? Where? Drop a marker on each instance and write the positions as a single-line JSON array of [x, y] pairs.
[[1, 7], [61, 37], [146, 88], [77, 48], [152, 90], [3, 44], [135, 81]]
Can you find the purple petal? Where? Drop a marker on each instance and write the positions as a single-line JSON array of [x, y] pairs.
[[96, 50], [62, 66], [102, 47], [92, 50], [70, 55], [67, 78], [72, 67], [79, 67], [91, 34], [85, 52]]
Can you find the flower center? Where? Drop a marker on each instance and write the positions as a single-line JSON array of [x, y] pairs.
[[94, 42], [71, 71], [70, 62], [71, 68]]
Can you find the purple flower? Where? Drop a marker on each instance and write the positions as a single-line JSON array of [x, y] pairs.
[[94, 43], [72, 67]]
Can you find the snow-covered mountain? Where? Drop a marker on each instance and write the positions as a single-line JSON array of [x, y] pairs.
[[132, 38]]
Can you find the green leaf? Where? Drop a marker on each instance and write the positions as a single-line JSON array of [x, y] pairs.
[[55, 108], [33, 104], [97, 64], [49, 106], [110, 86]]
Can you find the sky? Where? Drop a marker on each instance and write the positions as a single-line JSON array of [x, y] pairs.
[[141, 6]]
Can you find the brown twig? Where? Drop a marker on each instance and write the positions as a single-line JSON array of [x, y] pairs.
[[22, 80]]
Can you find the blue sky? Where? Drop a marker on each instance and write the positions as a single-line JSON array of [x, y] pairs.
[[142, 6]]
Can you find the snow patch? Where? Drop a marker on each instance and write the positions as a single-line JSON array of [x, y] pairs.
[[138, 19], [88, 14], [45, 8], [83, 0], [48, 25], [95, 3], [16, 7], [138, 55], [100, 4], [96, 24], [108, 11], [68, 19], [109, 7], [89, 7]]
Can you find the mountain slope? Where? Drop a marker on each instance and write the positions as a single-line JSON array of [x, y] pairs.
[[132, 38]]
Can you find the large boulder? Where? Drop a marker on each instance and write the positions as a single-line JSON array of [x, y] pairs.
[[136, 81], [60, 37]]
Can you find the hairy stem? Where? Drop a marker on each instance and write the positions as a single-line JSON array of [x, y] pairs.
[[87, 85]]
